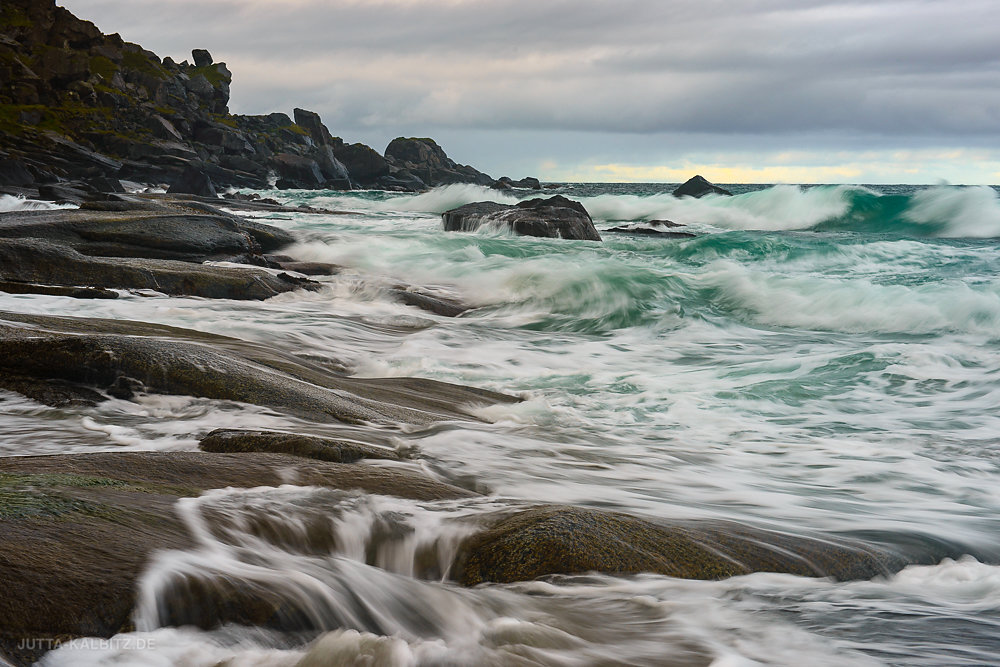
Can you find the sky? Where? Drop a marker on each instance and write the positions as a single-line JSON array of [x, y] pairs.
[[740, 91]]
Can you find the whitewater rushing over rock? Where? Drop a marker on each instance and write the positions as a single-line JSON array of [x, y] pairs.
[[819, 362]]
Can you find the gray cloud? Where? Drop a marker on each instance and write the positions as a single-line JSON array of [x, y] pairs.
[[903, 68]]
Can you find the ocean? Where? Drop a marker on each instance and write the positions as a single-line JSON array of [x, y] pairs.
[[817, 360]]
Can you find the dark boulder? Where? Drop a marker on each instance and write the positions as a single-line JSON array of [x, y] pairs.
[[556, 217], [306, 446], [432, 304], [698, 187], [426, 160], [64, 193], [14, 172], [78, 531], [201, 57], [654, 228], [527, 183], [295, 171], [106, 184], [568, 540], [194, 181], [364, 164], [311, 122]]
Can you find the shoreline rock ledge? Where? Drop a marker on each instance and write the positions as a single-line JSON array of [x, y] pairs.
[[555, 217]]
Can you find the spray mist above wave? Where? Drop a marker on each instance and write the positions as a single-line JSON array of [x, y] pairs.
[[433, 202]]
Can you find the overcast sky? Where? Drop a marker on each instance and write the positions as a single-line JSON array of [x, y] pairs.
[[740, 91]]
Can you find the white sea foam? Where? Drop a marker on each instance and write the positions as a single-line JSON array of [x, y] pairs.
[[9, 203], [961, 212], [783, 207], [815, 302]]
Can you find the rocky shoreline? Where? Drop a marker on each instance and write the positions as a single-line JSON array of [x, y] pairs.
[[83, 111]]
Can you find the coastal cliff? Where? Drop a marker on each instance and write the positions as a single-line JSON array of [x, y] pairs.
[[78, 105]]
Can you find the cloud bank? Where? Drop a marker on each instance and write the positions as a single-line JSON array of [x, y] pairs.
[[770, 75]]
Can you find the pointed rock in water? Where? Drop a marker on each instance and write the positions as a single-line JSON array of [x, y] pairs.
[[698, 187], [555, 217], [655, 228]]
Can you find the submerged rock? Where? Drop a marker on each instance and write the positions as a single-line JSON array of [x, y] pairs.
[[657, 228], [77, 531], [698, 186], [235, 441], [568, 540], [555, 217]]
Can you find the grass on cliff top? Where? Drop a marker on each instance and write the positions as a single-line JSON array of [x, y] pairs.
[[210, 72], [140, 62]]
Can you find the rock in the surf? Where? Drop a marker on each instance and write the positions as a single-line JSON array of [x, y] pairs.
[[568, 540], [235, 441], [698, 186], [555, 217], [656, 228], [77, 532]]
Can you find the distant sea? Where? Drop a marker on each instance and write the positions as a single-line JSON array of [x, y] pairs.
[[815, 360]]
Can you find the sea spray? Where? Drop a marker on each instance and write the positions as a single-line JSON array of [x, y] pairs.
[[815, 358]]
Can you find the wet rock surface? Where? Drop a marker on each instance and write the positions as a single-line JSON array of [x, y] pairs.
[[97, 353], [555, 217], [76, 532], [35, 261], [305, 446], [566, 540]]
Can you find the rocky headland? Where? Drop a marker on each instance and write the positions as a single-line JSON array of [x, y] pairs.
[[81, 110]]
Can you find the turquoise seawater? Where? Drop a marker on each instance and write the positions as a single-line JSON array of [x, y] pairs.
[[815, 359]]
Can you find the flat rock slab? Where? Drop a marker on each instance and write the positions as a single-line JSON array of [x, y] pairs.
[[130, 356], [37, 261], [11, 287], [305, 446], [146, 230], [76, 531]]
